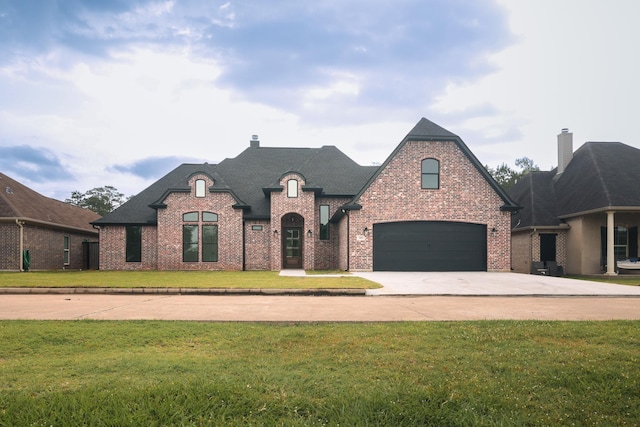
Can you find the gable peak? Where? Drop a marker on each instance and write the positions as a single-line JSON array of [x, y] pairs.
[[428, 129]]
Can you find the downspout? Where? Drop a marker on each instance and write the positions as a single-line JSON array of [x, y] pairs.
[[244, 246], [531, 248], [348, 242], [20, 225]]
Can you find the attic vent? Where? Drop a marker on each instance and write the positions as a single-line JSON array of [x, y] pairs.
[[9, 190]]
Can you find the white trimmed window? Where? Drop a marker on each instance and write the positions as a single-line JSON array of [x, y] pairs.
[[292, 188]]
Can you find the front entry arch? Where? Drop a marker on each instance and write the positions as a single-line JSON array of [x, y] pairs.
[[292, 241]]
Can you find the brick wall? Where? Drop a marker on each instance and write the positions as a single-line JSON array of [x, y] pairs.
[[526, 249], [229, 229], [9, 246], [46, 247], [113, 249], [327, 256], [257, 243], [521, 252], [303, 205], [464, 196]]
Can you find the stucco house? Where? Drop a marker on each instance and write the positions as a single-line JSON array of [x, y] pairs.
[[431, 206], [57, 235], [584, 214]]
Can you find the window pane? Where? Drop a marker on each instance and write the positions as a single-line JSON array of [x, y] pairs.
[[200, 187], [209, 243], [430, 174], [190, 217], [65, 254], [209, 217], [292, 188], [324, 222], [134, 243], [430, 166], [620, 236], [430, 181], [190, 243]]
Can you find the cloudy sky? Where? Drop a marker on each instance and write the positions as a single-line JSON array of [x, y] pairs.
[[119, 92]]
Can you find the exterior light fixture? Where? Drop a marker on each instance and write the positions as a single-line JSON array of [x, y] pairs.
[[366, 231], [275, 232], [309, 233]]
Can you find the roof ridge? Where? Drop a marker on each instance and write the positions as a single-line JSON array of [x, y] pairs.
[[605, 188]]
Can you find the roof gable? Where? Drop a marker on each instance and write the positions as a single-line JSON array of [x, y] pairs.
[[327, 171], [20, 202], [426, 130]]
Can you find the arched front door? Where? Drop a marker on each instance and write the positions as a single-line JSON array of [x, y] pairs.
[[292, 241]]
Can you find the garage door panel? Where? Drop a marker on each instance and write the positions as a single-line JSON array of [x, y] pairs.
[[429, 246]]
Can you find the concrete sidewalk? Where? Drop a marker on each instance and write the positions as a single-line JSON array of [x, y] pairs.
[[313, 309], [404, 297]]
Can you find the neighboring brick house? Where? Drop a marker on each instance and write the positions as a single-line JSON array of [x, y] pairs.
[[56, 234], [431, 206], [583, 215]]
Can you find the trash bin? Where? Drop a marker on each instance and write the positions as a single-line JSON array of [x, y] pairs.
[[26, 260]]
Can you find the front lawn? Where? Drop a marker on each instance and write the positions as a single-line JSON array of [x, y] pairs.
[[398, 374], [622, 279], [178, 279]]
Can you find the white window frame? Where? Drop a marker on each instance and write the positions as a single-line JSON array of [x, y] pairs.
[[292, 188], [200, 187]]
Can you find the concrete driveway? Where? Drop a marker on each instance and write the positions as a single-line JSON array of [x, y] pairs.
[[485, 284]]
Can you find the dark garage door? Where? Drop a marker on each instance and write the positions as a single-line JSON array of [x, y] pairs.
[[429, 246]]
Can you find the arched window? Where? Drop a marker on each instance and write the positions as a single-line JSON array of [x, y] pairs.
[[430, 174], [292, 188]]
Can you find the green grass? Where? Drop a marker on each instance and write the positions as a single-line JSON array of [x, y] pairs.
[[399, 374], [633, 280], [178, 279]]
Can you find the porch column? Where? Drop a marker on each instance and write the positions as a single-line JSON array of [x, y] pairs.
[[611, 259]]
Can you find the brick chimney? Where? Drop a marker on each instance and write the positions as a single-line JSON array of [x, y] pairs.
[[565, 149], [255, 142]]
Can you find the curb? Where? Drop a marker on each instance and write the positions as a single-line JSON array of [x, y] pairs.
[[182, 291]]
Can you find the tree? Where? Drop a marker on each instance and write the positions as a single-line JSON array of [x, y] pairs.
[[101, 200], [507, 177]]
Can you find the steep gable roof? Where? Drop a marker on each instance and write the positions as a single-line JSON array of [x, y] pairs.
[[18, 201], [426, 130], [600, 175], [327, 171]]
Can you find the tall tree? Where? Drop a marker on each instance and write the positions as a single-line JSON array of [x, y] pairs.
[[507, 177], [101, 200]]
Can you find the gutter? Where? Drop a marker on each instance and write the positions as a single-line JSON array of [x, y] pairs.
[[20, 225], [48, 224]]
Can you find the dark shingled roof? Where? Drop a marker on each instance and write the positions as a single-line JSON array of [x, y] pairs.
[[600, 175], [250, 177], [536, 194], [20, 202]]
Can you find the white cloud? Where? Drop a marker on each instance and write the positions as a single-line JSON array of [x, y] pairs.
[[573, 67]]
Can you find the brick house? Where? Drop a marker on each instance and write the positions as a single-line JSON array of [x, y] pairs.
[[56, 234], [583, 215], [431, 206]]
